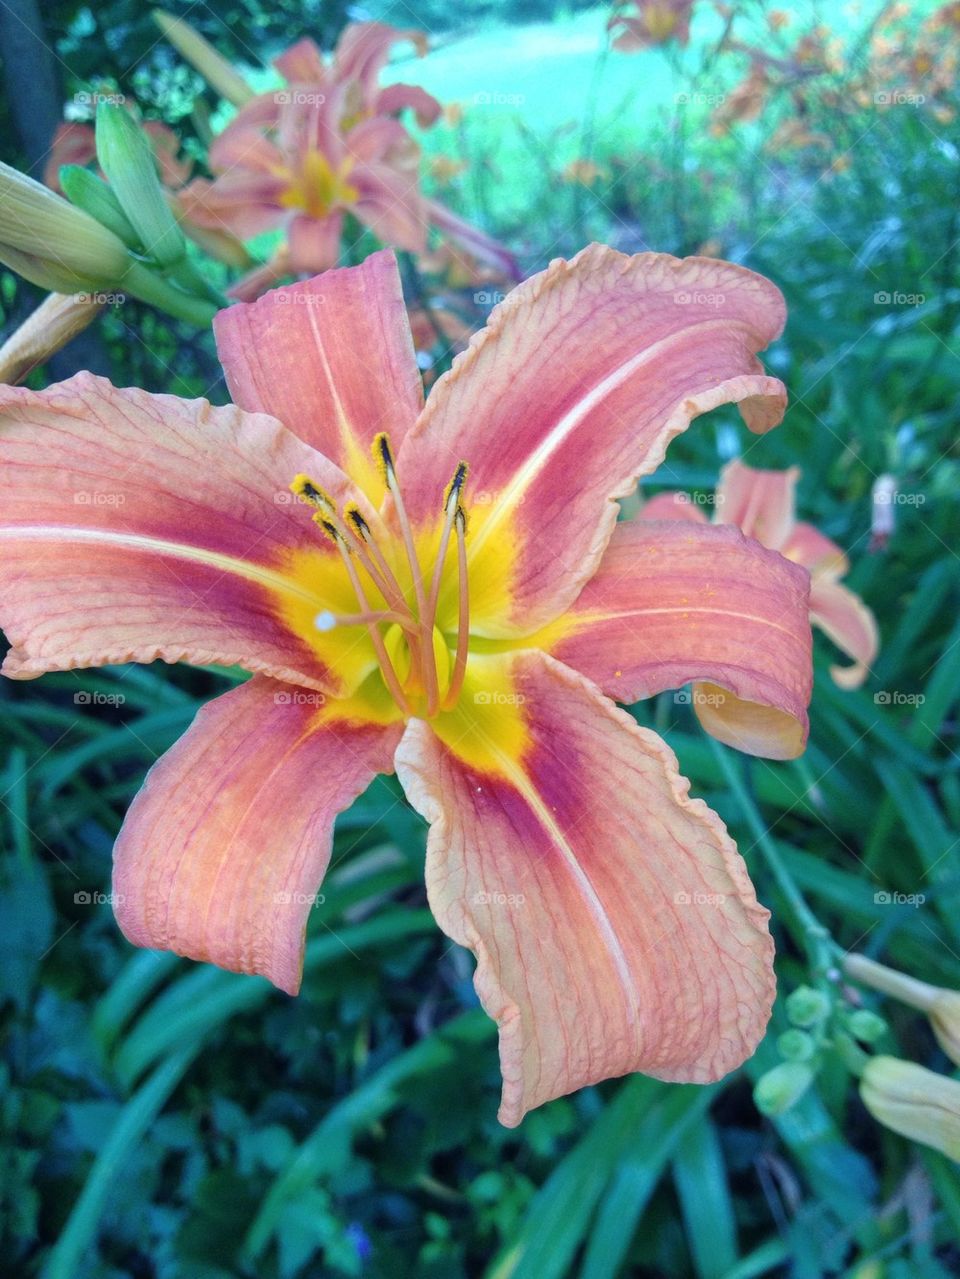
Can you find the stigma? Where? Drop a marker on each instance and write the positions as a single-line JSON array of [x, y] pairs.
[[422, 675]]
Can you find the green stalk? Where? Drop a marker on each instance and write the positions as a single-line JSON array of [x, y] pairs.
[[64, 1262], [807, 929], [146, 286]]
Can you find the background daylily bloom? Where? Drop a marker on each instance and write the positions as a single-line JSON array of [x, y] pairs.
[[652, 22], [331, 144], [762, 504], [388, 619], [362, 52]]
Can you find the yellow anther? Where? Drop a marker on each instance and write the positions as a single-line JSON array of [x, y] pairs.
[[383, 457], [353, 515], [331, 530], [419, 670], [305, 488]]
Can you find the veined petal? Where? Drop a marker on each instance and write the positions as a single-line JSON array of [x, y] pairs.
[[332, 358], [761, 503], [243, 146], [845, 618], [613, 921], [243, 204], [374, 138], [135, 527], [259, 113], [223, 849], [674, 602], [576, 386]]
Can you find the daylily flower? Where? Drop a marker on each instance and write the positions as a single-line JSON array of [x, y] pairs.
[[389, 619], [301, 159], [762, 504], [745, 101], [653, 22], [361, 54]]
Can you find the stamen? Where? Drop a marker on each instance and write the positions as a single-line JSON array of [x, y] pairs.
[[303, 487], [463, 615], [451, 503], [328, 527], [353, 537], [386, 666], [381, 447], [455, 487], [362, 537], [382, 453], [356, 537]]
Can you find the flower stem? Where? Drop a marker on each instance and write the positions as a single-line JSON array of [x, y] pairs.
[[813, 936], [146, 286], [909, 990]]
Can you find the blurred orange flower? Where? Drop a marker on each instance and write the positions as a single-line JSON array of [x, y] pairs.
[[586, 172], [652, 22], [329, 144]]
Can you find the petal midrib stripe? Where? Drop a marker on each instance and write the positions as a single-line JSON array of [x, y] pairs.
[[160, 546], [587, 618], [523, 783], [539, 458]]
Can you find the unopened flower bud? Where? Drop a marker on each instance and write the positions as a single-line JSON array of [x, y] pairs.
[[866, 1026], [223, 246], [944, 1014], [941, 1005], [127, 158], [782, 1087], [56, 320], [203, 57], [914, 1101], [807, 1007], [51, 243], [796, 1045], [94, 196]]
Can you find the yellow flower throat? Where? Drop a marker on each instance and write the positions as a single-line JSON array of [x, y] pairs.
[[423, 676]]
